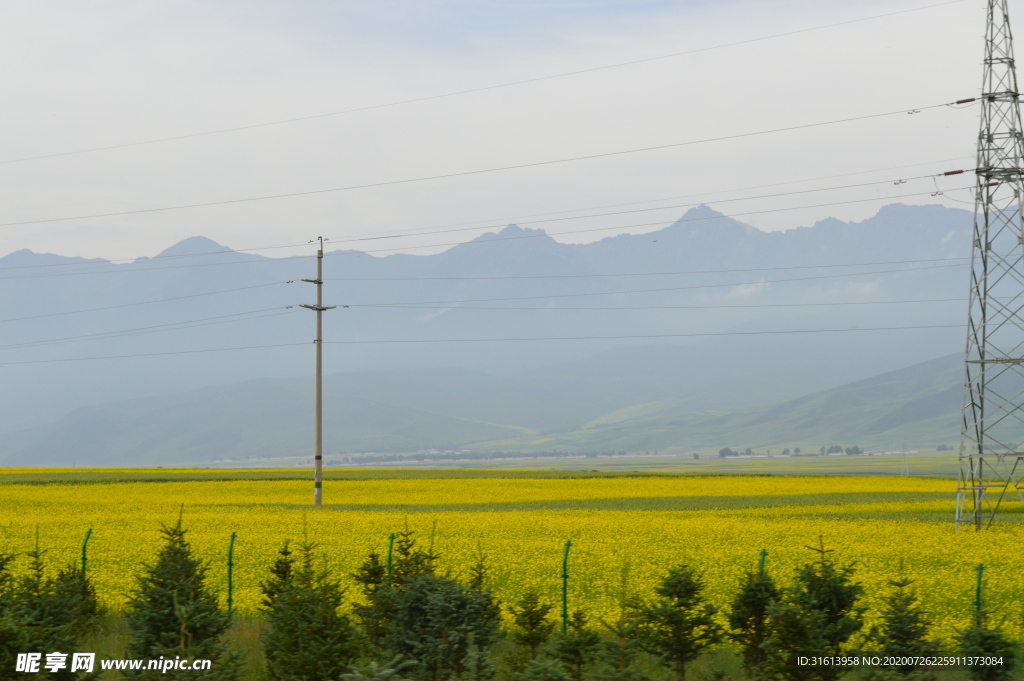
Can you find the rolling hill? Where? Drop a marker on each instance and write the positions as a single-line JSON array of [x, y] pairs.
[[410, 410]]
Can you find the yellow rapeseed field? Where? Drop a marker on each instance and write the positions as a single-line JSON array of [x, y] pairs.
[[718, 524]]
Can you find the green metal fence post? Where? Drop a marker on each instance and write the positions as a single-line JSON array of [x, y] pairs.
[[85, 545], [977, 592], [231, 572], [764, 557], [391, 546], [565, 587]]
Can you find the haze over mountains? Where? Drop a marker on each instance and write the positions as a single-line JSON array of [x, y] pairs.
[[705, 274], [406, 412]]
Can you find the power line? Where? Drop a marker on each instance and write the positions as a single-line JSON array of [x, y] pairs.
[[654, 335], [144, 302], [491, 224], [485, 224], [128, 270], [680, 307], [660, 290], [480, 224], [478, 241], [151, 354], [647, 210], [642, 224], [646, 274], [478, 171], [277, 283], [112, 261], [277, 311], [463, 243], [171, 326], [494, 340], [471, 90]]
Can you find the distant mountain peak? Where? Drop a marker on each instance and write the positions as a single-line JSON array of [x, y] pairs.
[[702, 211], [511, 232], [192, 245], [704, 221], [27, 257]]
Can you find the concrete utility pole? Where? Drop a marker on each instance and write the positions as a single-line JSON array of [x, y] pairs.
[[318, 460]]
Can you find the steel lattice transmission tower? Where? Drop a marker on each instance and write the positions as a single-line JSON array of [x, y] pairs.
[[992, 436]]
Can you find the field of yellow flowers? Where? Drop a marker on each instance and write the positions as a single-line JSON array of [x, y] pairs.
[[637, 526]]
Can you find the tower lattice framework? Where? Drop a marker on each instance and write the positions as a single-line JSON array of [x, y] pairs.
[[992, 435]]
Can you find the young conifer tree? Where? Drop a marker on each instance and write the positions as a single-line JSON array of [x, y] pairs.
[[475, 666], [308, 637], [12, 633], [982, 640], [681, 624], [903, 633], [10, 645], [748, 616], [814, 618], [382, 588], [533, 626], [622, 649], [579, 647], [173, 615], [437, 623], [43, 614]]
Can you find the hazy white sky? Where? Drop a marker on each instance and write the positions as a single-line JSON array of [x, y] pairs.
[[83, 75]]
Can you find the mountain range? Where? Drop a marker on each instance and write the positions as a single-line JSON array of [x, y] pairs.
[[509, 334]]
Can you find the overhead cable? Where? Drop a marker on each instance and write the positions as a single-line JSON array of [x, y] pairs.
[[144, 302], [647, 274], [485, 224], [491, 240], [151, 354], [480, 224], [485, 88], [479, 171], [662, 223], [632, 308], [661, 290], [492, 340], [648, 210], [277, 283], [171, 326], [653, 335]]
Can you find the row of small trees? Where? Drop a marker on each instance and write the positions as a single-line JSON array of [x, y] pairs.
[[470, 455], [726, 452], [413, 622]]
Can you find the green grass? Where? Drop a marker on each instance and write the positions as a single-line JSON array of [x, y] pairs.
[[925, 463]]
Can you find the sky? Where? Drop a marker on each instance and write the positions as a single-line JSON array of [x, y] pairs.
[[81, 76]]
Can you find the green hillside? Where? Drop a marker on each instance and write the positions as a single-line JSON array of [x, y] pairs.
[[256, 420], [919, 404], [270, 420]]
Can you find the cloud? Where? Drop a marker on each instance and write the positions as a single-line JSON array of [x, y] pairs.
[[746, 290]]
